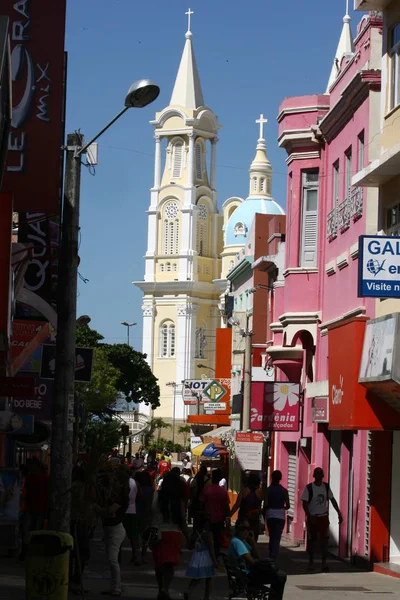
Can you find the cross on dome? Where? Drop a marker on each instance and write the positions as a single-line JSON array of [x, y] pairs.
[[262, 120], [189, 13]]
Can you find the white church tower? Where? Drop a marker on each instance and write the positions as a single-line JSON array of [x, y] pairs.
[[182, 262]]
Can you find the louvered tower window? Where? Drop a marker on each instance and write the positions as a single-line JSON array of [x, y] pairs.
[[177, 159], [309, 225], [199, 161], [202, 230], [167, 340], [171, 228]]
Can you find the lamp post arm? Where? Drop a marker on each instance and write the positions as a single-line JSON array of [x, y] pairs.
[[86, 146]]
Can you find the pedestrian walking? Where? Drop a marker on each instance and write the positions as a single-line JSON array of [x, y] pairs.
[[276, 503], [203, 561], [249, 503], [243, 548], [163, 466], [216, 504], [169, 526], [130, 521], [198, 483], [143, 508], [116, 492], [316, 497]]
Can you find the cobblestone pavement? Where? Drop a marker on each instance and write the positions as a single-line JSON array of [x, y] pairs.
[[342, 582]]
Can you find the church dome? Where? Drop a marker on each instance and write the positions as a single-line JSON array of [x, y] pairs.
[[259, 200], [238, 226]]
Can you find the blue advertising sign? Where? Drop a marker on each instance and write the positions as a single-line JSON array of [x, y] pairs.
[[379, 266]]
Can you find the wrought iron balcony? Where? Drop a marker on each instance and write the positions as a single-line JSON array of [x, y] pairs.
[[339, 219]]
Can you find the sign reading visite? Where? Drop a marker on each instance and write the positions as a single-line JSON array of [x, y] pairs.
[[379, 266]]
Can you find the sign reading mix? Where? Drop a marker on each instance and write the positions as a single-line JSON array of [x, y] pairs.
[[379, 266]]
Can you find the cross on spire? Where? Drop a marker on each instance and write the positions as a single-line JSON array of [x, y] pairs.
[[189, 13], [347, 7], [262, 121]]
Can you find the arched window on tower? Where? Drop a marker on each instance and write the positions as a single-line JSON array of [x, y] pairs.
[[171, 228], [262, 184], [177, 156], [202, 230], [199, 161], [201, 342], [167, 340], [254, 184]]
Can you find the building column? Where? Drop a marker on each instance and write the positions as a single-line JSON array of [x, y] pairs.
[[186, 339], [148, 343], [213, 166], [191, 160], [151, 245], [157, 162]]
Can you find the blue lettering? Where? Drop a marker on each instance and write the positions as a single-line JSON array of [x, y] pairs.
[[392, 269], [387, 249], [374, 247]]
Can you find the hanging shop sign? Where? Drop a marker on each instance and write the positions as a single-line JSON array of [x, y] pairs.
[[10, 422], [83, 363], [193, 390], [275, 406], [34, 158], [249, 450], [379, 266], [41, 404], [320, 410]]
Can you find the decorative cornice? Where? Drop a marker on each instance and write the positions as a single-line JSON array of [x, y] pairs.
[[330, 268], [300, 109], [185, 310], [148, 310], [342, 260], [299, 271], [354, 312], [302, 156], [354, 251], [300, 318]]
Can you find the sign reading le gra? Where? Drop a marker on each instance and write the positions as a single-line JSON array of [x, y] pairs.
[[379, 266]]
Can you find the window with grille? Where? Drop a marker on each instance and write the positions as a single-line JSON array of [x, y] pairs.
[[201, 343], [177, 159], [171, 228], [395, 66], [167, 340], [199, 161], [202, 230], [393, 220], [309, 228]]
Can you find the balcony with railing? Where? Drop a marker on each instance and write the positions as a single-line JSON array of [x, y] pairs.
[[345, 213]]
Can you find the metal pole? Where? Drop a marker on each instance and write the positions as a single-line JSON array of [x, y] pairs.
[[173, 417], [64, 384], [128, 328], [247, 381], [82, 150]]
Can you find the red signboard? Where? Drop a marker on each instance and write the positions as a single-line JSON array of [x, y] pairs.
[[23, 332], [320, 410], [34, 159], [17, 387], [275, 406], [242, 436]]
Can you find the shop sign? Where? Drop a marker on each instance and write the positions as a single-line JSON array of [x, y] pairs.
[[215, 391], [10, 422], [10, 489], [215, 406], [83, 363], [249, 450], [193, 390], [17, 387], [41, 405], [275, 406], [379, 266], [320, 410], [34, 158]]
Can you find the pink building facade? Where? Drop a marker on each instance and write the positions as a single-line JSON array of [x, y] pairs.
[[328, 138]]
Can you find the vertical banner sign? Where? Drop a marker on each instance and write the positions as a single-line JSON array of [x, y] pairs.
[[34, 159]]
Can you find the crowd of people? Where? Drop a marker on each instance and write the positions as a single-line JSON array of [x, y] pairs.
[[152, 503]]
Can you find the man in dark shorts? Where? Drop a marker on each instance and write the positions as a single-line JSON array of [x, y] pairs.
[[315, 499]]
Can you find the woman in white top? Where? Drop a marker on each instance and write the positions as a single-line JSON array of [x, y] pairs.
[[131, 522]]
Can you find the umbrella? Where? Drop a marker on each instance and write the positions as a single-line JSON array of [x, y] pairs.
[[208, 450]]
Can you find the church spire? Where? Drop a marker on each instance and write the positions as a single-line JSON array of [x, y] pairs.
[[187, 89], [260, 169], [345, 46]]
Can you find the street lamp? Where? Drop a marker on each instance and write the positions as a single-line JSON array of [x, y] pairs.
[[128, 325], [200, 366], [173, 384], [140, 94]]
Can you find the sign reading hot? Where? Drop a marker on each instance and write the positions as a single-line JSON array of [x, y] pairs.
[[33, 168], [275, 406]]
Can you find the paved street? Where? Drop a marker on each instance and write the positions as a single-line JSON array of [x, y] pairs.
[[139, 582]]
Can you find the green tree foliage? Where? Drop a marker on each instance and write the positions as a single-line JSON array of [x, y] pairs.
[[155, 424], [118, 370], [102, 436], [185, 430]]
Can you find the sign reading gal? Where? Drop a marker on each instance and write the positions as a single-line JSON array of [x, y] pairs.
[[379, 266]]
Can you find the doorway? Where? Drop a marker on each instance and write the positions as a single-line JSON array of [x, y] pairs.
[[334, 484]]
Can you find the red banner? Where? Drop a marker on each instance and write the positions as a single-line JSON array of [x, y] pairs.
[[275, 406], [34, 160]]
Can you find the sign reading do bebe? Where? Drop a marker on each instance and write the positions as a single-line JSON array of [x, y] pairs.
[[379, 266]]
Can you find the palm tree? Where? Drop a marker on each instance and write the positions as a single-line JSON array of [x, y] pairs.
[[155, 424], [185, 430]]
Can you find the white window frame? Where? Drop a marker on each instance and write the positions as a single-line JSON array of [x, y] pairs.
[[199, 150], [170, 242], [167, 343], [306, 216], [394, 227], [395, 66], [177, 161]]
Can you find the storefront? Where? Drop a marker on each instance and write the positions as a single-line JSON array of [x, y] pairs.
[[359, 424]]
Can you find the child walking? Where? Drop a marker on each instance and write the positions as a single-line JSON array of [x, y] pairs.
[[203, 560]]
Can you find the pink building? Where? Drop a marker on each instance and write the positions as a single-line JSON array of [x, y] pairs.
[[319, 320]]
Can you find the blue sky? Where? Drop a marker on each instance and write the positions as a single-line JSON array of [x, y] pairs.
[[250, 55]]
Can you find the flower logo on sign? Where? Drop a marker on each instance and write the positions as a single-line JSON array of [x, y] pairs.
[[281, 395]]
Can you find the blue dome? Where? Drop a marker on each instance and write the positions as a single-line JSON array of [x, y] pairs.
[[238, 226]]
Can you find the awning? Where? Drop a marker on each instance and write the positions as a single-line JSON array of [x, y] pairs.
[[216, 434]]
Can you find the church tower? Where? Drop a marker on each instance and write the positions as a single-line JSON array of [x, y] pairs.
[[182, 261]]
